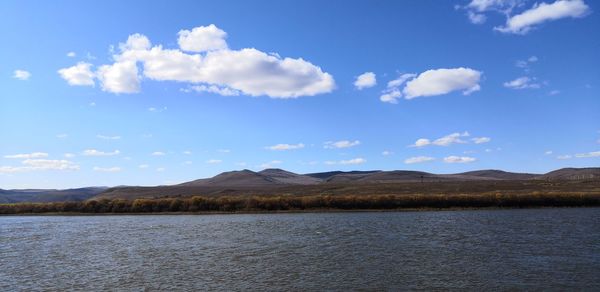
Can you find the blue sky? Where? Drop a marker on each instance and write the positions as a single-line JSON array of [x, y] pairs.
[[133, 93]]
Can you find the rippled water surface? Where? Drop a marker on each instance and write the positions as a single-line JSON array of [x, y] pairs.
[[490, 249]]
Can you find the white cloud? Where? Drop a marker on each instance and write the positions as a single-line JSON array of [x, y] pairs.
[[353, 161], [281, 147], [104, 137], [548, 152], [158, 153], [588, 155], [120, 77], [525, 63], [564, 157], [421, 142], [454, 138], [542, 12], [224, 150], [248, 71], [71, 54], [202, 39], [554, 92], [271, 164], [522, 83], [443, 81], [21, 75], [69, 155], [143, 166], [107, 169], [392, 92], [27, 155], [459, 159], [160, 169], [187, 162], [481, 140], [390, 96], [341, 144], [365, 80], [418, 159], [78, 75], [40, 164], [187, 152], [214, 161], [224, 91], [387, 153], [450, 139], [62, 136], [400, 80], [476, 18], [157, 110], [94, 152]]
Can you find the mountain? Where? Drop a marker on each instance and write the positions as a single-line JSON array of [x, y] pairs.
[[590, 173], [276, 181], [286, 177], [43, 196], [498, 174]]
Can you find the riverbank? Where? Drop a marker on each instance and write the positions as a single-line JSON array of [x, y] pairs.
[[314, 203]]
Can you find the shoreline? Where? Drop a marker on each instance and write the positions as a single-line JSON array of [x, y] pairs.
[[315, 211]]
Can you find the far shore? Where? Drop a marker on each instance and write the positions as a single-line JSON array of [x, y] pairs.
[[201, 205]]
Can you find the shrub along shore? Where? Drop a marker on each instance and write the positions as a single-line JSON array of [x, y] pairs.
[[233, 204]]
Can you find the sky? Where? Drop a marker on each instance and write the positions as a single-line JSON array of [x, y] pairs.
[[149, 93]]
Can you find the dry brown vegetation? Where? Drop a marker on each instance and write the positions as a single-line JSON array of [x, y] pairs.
[[312, 202]]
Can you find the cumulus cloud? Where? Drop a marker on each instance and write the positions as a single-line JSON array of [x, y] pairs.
[[443, 81], [107, 169], [211, 63], [21, 75], [418, 159], [522, 83], [202, 39], [94, 152], [40, 164], [543, 12], [341, 144], [224, 91], [432, 82], [71, 54], [27, 155], [78, 75], [459, 159], [481, 140], [365, 80], [120, 77], [454, 138], [281, 147]]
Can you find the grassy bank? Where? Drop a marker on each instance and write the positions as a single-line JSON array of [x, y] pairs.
[[300, 203]]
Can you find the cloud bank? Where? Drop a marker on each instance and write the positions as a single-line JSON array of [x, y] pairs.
[[204, 60]]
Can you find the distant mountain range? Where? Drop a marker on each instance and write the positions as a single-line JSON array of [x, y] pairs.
[[279, 181], [42, 196]]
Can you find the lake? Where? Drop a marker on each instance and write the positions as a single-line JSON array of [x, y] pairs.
[[555, 248]]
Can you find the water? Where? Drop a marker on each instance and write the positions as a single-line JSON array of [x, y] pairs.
[[554, 249]]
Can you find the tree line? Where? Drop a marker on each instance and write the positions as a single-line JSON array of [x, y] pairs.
[[299, 203]]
